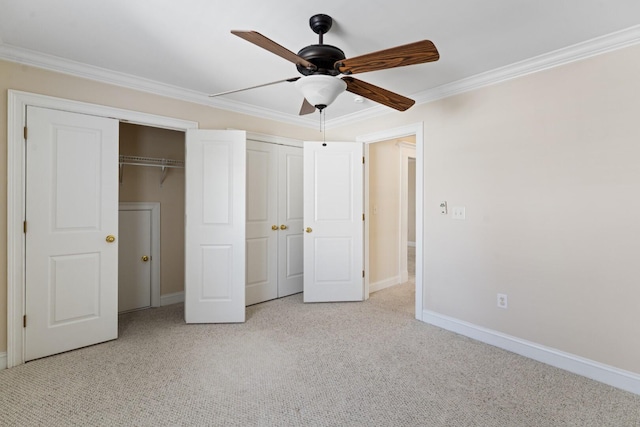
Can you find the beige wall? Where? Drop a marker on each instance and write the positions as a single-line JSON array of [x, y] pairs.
[[547, 167], [384, 210], [142, 184]]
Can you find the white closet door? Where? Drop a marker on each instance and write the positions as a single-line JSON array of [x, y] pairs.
[[215, 182], [290, 212], [262, 222], [72, 224], [274, 221], [333, 220]]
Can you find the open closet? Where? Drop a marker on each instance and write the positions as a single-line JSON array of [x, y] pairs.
[[151, 217], [152, 195]]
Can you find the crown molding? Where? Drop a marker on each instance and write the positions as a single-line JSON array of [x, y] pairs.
[[103, 75], [577, 52], [573, 53], [597, 46]]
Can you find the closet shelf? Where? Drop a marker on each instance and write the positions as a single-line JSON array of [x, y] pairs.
[[165, 164]]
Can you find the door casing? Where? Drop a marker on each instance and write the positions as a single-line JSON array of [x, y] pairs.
[[17, 104], [416, 129]]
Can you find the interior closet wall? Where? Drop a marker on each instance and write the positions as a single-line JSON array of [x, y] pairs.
[[142, 184]]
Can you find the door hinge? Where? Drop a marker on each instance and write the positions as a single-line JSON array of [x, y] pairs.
[[362, 157], [24, 226], [24, 321], [25, 132], [362, 273], [363, 217]]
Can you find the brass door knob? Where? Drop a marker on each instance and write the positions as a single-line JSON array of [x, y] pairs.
[[110, 238], [308, 230], [145, 258], [274, 227], [283, 227]]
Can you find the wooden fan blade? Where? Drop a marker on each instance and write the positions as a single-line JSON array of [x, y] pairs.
[[400, 56], [377, 94], [293, 79], [306, 108], [273, 47]]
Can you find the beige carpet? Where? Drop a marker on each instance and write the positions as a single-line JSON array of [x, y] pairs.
[[291, 364]]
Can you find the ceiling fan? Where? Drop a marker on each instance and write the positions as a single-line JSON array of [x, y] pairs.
[[321, 64]]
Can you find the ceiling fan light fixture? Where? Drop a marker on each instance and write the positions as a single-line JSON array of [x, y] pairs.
[[320, 90]]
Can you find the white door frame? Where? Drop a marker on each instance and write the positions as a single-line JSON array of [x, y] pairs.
[[400, 132], [154, 208], [17, 106]]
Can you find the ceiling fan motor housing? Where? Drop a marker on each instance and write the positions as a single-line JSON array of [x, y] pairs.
[[323, 56]]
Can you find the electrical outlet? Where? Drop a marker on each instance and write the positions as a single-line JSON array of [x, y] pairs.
[[458, 212], [503, 302], [443, 208]]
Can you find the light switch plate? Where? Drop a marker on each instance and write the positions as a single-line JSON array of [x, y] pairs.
[[458, 212]]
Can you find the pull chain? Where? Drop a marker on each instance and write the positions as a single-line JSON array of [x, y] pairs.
[[323, 126]]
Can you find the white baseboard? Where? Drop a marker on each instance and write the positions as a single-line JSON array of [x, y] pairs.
[[597, 371], [3, 360], [174, 298], [383, 284]]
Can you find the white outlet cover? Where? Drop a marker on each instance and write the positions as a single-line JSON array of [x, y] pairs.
[[503, 301]]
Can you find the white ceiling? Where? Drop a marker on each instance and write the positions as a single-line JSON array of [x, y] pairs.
[[187, 44]]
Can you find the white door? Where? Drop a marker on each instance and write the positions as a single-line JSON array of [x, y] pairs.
[[274, 221], [72, 222], [333, 221], [134, 260], [291, 214], [215, 177], [262, 222]]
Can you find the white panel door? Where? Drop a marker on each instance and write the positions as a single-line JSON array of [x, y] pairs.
[[274, 221], [134, 260], [291, 214], [215, 177], [71, 209], [262, 222], [333, 221]]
